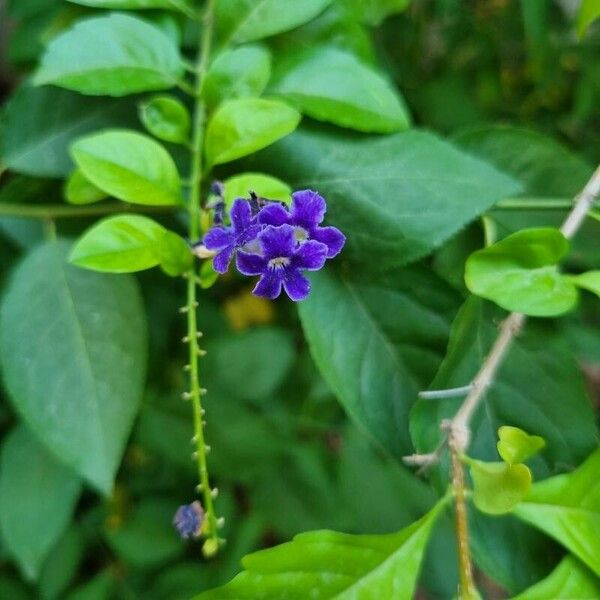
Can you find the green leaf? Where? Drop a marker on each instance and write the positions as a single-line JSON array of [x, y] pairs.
[[241, 127], [121, 244], [567, 508], [327, 564], [102, 586], [237, 73], [37, 499], [242, 21], [208, 276], [79, 190], [588, 281], [167, 118], [90, 329], [516, 446], [181, 5], [589, 11], [40, 123], [570, 580], [174, 254], [374, 362], [519, 273], [373, 12], [396, 197], [111, 55], [265, 186], [332, 85], [129, 166], [498, 486]]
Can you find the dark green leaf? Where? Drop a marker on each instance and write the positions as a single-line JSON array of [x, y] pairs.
[[567, 507], [90, 329], [333, 85], [37, 499], [129, 166], [241, 127], [79, 190], [237, 73], [181, 5], [516, 446], [167, 118], [374, 12], [395, 197], [100, 587], [111, 55]]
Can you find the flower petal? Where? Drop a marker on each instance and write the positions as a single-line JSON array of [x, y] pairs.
[[273, 214], [277, 241], [221, 260], [308, 209], [218, 238], [250, 264], [332, 237], [310, 255], [269, 285], [241, 215], [296, 285]]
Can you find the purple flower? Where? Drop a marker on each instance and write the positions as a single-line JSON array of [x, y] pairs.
[[282, 262], [226, 240], [306, 214], [188, 519]]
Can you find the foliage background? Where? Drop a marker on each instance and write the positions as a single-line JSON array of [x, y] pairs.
[[286, 458]]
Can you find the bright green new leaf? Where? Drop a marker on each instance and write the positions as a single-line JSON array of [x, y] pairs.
[[567, 508], [111, 55], [79, 190], [167, 118], [37, 499], [327, 564], [589, 11], [182, 5], [519, 273], [90, 328], [242, 21], [129, 166], [208, 276], [174, 254], [588, 281], [237, 73], [39, 124], [516, 446], [498, 486], [332, 85], [121, 244], [265, 186], [241, 127], [570, 580]]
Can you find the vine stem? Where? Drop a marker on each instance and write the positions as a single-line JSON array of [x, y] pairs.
[[60, 211], [195, 394]]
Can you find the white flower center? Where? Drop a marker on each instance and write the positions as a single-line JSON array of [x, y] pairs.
[[279, 262], [300, 234]]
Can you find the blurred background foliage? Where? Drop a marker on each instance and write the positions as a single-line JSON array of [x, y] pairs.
[[285, 457]]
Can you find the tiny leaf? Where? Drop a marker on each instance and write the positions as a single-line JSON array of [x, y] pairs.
[[80, 190], [588, 281], [264, 186], [166, 118], [516, 446], [174, 254]]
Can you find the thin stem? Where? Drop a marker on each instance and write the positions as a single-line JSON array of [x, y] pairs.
[[531, 203], [449, 393], [212, 540], [64, 211]]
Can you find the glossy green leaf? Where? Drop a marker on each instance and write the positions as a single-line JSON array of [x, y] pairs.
[[332, 85], [90, 328], [516, 446], [374, 362], [174, 254], [498, 487], [167, 118], [588, 281], [181, 5], [242, 21], [111, 55], [265, 186], [237, 73], [37, 499], [567, 508], [121, 244], [519, 273], [39, 124], [327, 564], [241, 127], [208, 276], [589, 11], [79, 190], [570, 580], [129, 166], [373, 12]]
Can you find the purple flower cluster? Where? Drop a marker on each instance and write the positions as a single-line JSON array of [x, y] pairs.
[[276, 243]]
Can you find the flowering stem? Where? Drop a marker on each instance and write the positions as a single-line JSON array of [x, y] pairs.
[[195, 393]]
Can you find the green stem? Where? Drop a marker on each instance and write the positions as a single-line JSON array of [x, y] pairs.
[[61, 211], [212, 540], [531, 203]]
